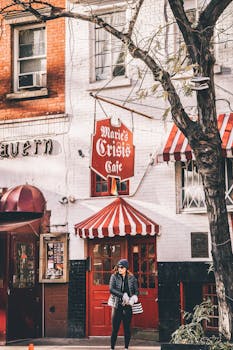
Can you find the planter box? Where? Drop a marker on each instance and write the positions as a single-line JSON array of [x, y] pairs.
[[184, 347]]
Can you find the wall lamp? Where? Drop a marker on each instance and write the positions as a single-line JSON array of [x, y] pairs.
[[81, 154], [66, 200]]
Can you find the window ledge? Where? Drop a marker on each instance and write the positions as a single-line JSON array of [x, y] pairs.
[[193, 210], [202, 210], [115, 83], [22, 95]]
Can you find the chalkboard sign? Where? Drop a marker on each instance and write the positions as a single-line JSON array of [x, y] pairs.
[[53, 258]]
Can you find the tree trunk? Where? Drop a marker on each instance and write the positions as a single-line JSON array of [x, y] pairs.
[[211, 167]]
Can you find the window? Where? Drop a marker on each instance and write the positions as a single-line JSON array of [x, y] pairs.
[[229, 181], [199, 245], [209, 292], [102, 187], [109, 51], [192, 194], [24, 265], [192, 190], [105, 257], [30, 58]]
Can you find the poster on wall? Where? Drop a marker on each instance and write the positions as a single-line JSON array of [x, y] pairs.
[[112, 150], [53, 258]]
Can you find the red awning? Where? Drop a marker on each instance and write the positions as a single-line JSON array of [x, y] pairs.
[[177, 147], [23, 198], [116, 219], [29, 226]]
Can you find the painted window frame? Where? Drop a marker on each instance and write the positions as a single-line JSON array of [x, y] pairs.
[[118, 81], [95, 179], [16, 59], [102, 36], [190, 193]]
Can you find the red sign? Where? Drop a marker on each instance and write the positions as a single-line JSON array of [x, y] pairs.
[[112, 150]]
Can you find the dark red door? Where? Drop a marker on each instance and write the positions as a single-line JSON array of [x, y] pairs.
[[24, 294], [104, 254], [143, 262], [3, 287]]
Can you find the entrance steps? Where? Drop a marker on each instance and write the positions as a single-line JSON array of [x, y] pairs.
[[145, 334]]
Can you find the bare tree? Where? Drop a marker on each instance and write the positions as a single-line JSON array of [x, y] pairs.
[[202, 134]]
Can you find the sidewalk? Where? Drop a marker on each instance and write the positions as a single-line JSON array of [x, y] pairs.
[[80, 344]]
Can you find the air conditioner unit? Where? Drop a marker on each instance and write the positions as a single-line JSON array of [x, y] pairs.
[[31, 80]]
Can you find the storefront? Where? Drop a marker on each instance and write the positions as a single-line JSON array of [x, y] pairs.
[[21, 219], [116, 231]]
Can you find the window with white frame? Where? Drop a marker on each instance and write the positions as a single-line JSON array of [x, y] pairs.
[[229, 181], [110, 52], [192, 190], [29, 57], [192, 194]]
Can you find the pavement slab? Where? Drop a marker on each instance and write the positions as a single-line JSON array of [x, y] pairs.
[[79, 344]]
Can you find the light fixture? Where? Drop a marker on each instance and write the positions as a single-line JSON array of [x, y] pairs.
[[80, 152], [64, 200], [200, 83], [72, 199]]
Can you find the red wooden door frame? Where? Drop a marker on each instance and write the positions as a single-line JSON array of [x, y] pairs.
[[3, 289], [25, 299], [151, 293], [147, 295], [182, 303], [89, 274]]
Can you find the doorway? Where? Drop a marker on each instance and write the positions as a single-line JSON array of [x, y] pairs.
[[20, 290], [104, 254]]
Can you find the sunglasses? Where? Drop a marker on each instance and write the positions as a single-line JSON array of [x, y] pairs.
[[121, 267]]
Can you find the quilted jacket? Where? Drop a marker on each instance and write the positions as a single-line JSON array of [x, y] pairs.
[[115, 286]]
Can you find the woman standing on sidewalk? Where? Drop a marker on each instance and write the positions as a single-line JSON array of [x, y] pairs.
[[124, 290]]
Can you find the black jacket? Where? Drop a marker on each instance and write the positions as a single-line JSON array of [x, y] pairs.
[[115, 286]]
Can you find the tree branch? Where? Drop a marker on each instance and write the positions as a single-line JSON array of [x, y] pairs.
[[211, 14], [134, 17], [177, 7], [30, 9]]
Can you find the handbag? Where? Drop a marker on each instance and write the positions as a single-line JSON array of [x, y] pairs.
[[111, 301], [137, 308]]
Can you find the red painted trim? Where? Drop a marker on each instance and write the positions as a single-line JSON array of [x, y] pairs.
[[182, 303], [94, 182], [87, 302]]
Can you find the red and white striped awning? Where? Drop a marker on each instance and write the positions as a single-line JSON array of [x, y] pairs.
[[177, 147], [116, 219]]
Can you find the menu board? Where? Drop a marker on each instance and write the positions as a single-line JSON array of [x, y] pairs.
[[53, 257]]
